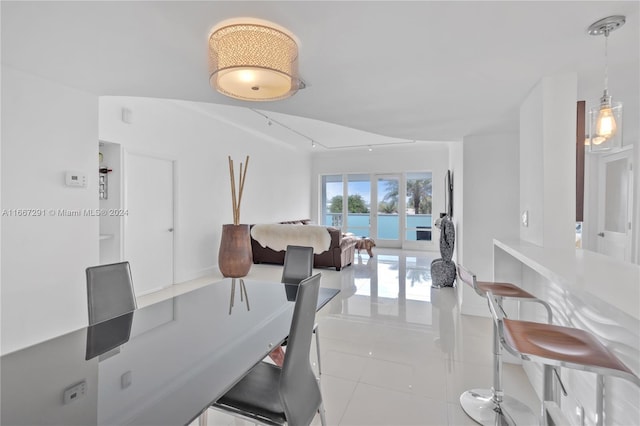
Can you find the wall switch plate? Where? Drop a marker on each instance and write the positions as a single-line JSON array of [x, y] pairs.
[[525, 218], [127, 115], [75, 392]]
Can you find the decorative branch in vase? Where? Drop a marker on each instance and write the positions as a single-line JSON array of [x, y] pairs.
[[235, 203], [234, 256]]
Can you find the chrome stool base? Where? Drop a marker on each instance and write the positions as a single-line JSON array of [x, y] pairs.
[[478, 404]]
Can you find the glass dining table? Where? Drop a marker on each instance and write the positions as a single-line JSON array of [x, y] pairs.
[[159, 365]]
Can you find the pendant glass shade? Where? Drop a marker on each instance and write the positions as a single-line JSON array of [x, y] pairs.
[[605, 120], [253, 62], [605, 127]]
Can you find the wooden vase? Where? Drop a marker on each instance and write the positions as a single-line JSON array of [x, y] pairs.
[[234, 256]]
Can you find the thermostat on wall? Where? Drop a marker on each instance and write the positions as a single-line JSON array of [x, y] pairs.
[[75, 179]]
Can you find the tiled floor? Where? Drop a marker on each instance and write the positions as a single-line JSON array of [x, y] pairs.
[[394, 350]]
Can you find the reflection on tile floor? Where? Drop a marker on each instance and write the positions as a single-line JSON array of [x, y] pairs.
[[394, 350]]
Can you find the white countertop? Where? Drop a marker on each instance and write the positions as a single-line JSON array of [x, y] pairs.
[[600, 278]]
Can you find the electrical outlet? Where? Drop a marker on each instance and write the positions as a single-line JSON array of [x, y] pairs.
[[525, 218], [75, 392]]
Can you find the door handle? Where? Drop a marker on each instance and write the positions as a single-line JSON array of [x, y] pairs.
[[170, 229], [601, 234]]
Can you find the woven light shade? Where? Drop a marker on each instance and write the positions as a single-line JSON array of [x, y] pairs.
[[253, 62]]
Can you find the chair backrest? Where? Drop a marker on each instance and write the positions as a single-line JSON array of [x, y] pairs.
[[298, 264], [469, 278], [299, 390], [109, 291]]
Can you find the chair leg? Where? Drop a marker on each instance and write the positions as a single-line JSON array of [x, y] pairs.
[[497, 391], [323, 420], [203, 418], [315, 330], [599, 400]]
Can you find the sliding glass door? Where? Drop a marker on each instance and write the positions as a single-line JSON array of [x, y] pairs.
[[417, 212], [331, 201], [359, 205], [393, 209], [388, 208], [354, 216]]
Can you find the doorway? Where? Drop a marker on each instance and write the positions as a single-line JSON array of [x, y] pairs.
[[149, 202], [615, 205]]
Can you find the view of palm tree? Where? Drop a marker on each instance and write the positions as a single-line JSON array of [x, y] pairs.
[[418, 196]]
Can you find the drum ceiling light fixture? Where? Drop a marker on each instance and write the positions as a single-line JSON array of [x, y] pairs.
[[253, 61]]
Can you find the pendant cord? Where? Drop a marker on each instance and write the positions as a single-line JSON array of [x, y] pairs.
[[606, 62]]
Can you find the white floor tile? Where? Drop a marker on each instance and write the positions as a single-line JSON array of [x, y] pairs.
[[343, 365], [388, 374], [353, 347], [372, 405], [457, 416], [475, 350], [336, 394], [463, 376]]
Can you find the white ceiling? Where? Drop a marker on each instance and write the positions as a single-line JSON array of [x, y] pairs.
[[418, 70]]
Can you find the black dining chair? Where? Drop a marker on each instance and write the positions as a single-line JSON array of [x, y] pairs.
[[298, 265], [291, 395], [109, 291]]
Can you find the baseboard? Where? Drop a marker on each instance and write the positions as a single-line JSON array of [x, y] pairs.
[[474, 310], [192, 275]]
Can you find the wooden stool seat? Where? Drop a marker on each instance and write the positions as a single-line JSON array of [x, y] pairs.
[[503, 290], [563, 344], [558, 346]]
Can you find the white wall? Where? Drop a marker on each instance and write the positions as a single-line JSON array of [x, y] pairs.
[[456, 165], [636, 186], [491, 204], [277, 186], [531, 166], [547, 162], [430, 156], [47, 129]]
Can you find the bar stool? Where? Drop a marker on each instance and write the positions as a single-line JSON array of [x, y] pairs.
[[492, 406], [554, 345]]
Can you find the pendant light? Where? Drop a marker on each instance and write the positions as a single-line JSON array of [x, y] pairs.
[[605, 120]]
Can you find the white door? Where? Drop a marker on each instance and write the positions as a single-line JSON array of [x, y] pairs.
[[149, 222], [615, 203]]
